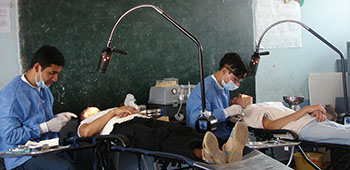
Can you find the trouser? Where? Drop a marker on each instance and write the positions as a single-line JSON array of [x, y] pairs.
[[329, 132], [326, 131], [80, 159], [163, 136]]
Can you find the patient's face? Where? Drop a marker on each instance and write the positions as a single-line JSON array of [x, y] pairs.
[[238, 99], [243, 100], [88, 112]]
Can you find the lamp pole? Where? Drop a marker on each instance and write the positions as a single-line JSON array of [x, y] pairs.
[[106, 53], [345, 89]]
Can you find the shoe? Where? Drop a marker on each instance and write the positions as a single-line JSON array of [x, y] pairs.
[[211, 152], [239, 135], [229, 142]]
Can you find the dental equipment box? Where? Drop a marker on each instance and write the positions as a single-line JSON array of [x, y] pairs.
[[165, 92], [169, 92]]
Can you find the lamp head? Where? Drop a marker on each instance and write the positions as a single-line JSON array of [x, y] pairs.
[[254, 62], [106, 55]]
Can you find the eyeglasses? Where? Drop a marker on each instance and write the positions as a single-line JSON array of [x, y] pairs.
[[235, 78]]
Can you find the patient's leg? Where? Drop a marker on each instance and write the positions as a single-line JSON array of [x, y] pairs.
[[197, 152], [326, 132], [160, 136], [210, 151], [236, 142]]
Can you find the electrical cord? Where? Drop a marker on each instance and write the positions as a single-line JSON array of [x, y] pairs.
[[179, 116]]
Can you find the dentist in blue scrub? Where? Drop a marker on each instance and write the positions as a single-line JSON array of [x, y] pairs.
[[26, 111], [231, 72]]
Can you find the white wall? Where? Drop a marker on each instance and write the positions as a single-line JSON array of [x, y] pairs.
[[9, 57], [285, 71]]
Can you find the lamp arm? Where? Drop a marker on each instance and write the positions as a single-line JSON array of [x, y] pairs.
[[342, 62], [274, 24], [172, 21]]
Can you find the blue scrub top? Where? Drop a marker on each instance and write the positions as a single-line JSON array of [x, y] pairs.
[[217, 99], [22, 109]]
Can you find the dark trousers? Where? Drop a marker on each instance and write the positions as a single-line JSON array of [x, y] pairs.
[[81, 159], [163, 136]]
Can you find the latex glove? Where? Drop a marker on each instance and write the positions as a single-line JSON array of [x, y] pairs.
[[53, 125], [56, 123], [66, 116], [233, 110]]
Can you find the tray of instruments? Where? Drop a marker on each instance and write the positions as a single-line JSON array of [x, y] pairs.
[[22, 151], [271, 143]]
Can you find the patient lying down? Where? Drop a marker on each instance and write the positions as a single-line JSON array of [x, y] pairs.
[[156, 135], [310, 122]]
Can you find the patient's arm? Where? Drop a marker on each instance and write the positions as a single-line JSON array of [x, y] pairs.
[[281, 122], [94, 127]]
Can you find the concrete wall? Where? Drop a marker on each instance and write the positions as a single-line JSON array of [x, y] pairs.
[[9, 59], [285, 71]]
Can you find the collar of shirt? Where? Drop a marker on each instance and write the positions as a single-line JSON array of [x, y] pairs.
[[23, 78], [217, 83]]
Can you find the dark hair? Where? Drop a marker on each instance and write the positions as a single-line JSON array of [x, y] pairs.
[[235, 63], [47, 55]]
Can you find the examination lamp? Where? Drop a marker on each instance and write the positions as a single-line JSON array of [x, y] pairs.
[[106, 54], [207, 121], [256, 56], [254, 62]]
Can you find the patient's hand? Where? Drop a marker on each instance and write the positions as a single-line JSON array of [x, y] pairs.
[[132, 110], [320, 117], [122, 112], [314, 108]]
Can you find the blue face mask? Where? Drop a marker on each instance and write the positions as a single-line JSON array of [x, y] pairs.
[[230, 85], [40, 83]]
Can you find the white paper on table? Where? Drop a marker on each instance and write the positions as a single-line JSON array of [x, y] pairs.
[[49, 142]]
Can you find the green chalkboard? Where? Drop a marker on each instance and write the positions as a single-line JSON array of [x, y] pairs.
[[156, 49]]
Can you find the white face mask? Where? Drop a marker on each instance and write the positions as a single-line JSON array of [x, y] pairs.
[[230, 85], [40, 83]]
